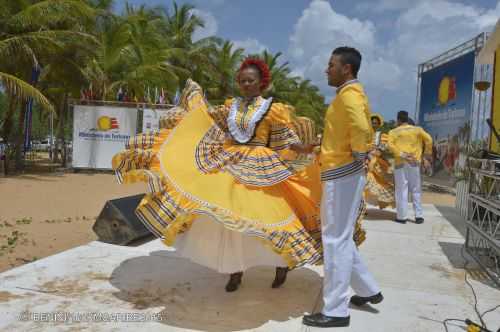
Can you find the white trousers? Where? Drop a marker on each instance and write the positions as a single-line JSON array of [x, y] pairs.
[[342, 262], [408, 178]]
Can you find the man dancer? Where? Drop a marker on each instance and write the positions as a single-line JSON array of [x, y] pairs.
[[346, 140], [406, 142]]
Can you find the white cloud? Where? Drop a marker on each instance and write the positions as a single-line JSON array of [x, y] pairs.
[[251, 45], [428, 29], [421, 30], [320, 29], [490, 17], [210, 28], [320, 25]]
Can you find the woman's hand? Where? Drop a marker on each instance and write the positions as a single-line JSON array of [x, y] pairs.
[[303, 148]]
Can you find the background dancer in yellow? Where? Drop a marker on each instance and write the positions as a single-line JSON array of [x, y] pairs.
[[379, 188], [406, 142], [222, 191]]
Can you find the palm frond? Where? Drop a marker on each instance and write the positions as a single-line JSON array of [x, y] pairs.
[[23, 90], [52, 13]]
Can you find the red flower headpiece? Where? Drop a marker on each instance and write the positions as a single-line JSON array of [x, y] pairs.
[[263, 68]]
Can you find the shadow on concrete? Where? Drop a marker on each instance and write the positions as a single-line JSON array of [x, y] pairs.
[[458, 260], [381, 215], [365, 308], [193, 296], [454, 218], [456, 254]]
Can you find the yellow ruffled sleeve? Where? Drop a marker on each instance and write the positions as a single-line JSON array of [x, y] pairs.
[[172, 118], [219, 114], [282, 133]]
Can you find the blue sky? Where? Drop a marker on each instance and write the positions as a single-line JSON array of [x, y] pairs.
[[394, 36]]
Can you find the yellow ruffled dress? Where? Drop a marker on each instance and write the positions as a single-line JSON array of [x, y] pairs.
[[224, 188], [379, 188]]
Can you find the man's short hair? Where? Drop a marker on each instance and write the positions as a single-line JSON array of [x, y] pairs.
[[349, 56], [403, 116]]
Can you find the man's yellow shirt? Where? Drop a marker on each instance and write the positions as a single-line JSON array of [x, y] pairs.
[[347, 135], [408, 142]]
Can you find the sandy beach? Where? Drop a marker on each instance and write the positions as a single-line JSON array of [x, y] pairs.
[[44, 214]]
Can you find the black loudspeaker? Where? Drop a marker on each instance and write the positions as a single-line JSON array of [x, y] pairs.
[[118, 224]]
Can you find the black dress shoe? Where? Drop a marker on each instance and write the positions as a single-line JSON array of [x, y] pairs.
[[234, 281], [320, 320], [401, 221], [359, 300], [280, 277], [419, 220]]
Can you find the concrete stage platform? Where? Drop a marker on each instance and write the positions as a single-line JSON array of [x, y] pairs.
[[419, 267]]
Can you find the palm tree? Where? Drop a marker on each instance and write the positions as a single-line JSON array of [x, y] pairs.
[[181, 25], [30, 33], [77, 43], [135, 54], [224, 62], [196, 56], [300, 93]]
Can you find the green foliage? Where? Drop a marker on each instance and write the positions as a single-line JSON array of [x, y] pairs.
[[387, 126], [3, 106], [81, 43]]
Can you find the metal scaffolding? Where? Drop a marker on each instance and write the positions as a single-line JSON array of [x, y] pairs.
[[483, 221], [481, 101]]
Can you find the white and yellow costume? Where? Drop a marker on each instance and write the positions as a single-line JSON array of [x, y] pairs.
[[379, 188], [346, 141], [221, 190], [407, 143]]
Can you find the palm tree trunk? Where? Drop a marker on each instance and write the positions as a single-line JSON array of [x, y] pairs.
[[7, 125], [61, 141], [19, 142], [7, 129], [55, 155]]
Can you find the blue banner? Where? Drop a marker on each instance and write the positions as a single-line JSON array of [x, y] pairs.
[[445, 110]]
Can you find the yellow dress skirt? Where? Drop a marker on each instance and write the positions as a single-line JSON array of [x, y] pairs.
[[222, 204], [379, 190]]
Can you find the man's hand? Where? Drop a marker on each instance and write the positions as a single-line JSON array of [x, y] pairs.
[[366, 164], [408, 157], [426, 163], [374, 153]]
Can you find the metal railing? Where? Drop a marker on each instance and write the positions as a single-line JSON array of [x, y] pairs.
[[483, 221]]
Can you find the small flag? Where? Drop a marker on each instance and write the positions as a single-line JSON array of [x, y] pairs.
[[177, 97], [162, 96], [120, 94]]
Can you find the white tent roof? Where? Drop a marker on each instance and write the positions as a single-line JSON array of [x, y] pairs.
[[487, 54]]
